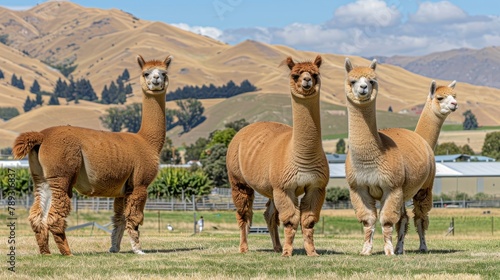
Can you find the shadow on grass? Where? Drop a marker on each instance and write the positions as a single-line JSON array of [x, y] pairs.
[[161, 251], [302, 252], [417, 252]]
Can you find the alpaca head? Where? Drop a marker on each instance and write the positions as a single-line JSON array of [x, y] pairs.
[[304, 77], [443, 99], [154, 77], [361, 82]]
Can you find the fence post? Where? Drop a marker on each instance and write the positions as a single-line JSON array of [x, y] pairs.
[[453, 226]]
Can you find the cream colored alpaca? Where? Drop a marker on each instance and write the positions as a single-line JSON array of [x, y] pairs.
[[440, 103], [389, 165], [97, 163], [282, 163]]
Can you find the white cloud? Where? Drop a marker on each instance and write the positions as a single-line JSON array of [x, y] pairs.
[[366, 13], [208, 31], [17, 8], [443, 11], [370, 28]]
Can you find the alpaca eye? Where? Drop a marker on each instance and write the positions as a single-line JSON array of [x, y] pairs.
[[146, 75], [372, 82], [164, 74], [352, 83], [295, 76], [440, 98], [315, 76]]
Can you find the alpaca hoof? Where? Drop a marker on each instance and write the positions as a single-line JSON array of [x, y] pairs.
[[312, 254], [114, 250], [286, 253], [423, 250], [278, 249], [139, 252]]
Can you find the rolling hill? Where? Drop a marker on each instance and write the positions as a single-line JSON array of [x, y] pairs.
[[102, 43]]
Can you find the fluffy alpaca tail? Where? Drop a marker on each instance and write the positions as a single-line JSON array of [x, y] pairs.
[[25, 142]]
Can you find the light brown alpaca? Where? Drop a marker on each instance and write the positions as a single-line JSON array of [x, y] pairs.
[[440, 103], [282, 163], [389, 165], [97, 163]]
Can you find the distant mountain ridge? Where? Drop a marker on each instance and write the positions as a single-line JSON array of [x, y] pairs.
[[102, 43], [477, 67]]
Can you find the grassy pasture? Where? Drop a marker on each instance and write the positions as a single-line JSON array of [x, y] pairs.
[[472, 253]]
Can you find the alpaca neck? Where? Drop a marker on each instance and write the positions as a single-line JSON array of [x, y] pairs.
[[306, 135], [153, 120], [429, 125], [363, 134]]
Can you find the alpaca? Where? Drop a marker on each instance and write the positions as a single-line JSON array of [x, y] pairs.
[[390, 165], [440, 103], [282, 163], [97, 163]]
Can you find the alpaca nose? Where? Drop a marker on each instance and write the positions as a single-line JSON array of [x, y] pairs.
[[307, 79], [363, 86]]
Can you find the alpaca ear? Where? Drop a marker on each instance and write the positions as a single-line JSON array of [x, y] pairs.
[[453, 84], [348, 65], [318, 61], [141, 61], [289, 62], [373, 65], [168, 60], [432, 90]]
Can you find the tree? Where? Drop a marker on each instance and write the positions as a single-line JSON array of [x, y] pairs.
[[14, 80], [35, 88], [214, 165], [2, 76], [169, 118], [113, 120], [61, 88], [340, 147], [132, 117], [470, 121], [28, 104], [448, 148], [491, 145], [53, 100], [190, 113], [466, 149], [38, 99], [125, 76], [337, 194], [194, 151], [237, 125], [20, 83], [7, 113], [168, 154], [221, 137], [390, 109]]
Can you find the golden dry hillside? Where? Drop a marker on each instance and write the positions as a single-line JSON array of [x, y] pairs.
[[102, 43]]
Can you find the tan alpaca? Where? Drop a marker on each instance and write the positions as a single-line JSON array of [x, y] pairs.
[[97, 163], [389, 165], [440, 103], [282, 163]]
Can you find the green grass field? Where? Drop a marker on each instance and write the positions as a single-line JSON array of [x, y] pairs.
[[472, 253]]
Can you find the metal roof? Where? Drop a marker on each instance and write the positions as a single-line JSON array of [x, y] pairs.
[[443, 169]]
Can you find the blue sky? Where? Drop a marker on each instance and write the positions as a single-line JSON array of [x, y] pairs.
[[357, 27]]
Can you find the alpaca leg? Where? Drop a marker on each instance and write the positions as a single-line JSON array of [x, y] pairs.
[[401, 229], [118, 225], [422, 203], [38, 216], [59, 210], [272, 220], [289, 215], [310, 208], [243, 197], [134, 215], [364, 207], [390, 214]]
